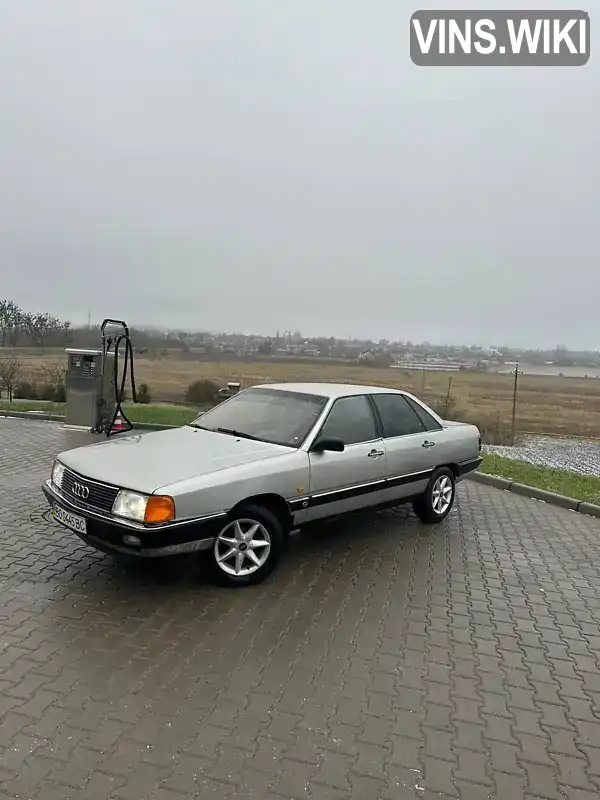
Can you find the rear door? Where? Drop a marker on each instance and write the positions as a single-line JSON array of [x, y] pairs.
[[410, 434], [341, 482]]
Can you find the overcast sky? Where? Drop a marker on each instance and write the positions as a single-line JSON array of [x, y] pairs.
[[258, 165]]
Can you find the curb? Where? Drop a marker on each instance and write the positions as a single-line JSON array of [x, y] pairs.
[[491, 480], [570, 503], [590, 509], [44, 417], [151, 426]]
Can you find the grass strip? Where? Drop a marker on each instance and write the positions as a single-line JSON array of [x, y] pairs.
[[560, 481]]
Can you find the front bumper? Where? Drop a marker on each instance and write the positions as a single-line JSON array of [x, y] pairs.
[[106, 533]]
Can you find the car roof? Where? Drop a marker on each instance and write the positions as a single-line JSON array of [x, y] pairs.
[[329, 390]]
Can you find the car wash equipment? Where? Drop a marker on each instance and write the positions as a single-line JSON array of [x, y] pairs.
[[116, 344], [83, 388]]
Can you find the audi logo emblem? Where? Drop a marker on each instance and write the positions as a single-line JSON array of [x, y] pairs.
[[81, 491]]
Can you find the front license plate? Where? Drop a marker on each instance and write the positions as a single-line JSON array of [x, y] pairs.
[[72, 521]]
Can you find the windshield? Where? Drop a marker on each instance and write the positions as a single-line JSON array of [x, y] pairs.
[[279, 417]]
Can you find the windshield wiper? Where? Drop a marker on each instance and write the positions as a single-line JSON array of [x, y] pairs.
[[239, 434]]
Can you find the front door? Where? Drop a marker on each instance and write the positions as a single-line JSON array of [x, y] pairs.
[[355, 478], [410, 436]]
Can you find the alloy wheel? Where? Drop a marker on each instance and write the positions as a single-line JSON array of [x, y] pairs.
[[441, 494], [242, 547]]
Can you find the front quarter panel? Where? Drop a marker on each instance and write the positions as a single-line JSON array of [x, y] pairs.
[[285, 475]]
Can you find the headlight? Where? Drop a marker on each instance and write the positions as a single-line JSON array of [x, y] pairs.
[[144, 508], [58, 470], [130, 505]]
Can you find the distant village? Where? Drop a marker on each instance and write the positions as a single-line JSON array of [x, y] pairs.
[[19, 328], [382, 353], [395, 354]]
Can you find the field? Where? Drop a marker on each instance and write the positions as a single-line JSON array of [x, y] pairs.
[[546, 404]]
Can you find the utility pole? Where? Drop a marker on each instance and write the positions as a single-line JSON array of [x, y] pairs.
[[516, 373], [448, 392]]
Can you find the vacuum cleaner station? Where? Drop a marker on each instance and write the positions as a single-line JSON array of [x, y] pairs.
[[95, 382]]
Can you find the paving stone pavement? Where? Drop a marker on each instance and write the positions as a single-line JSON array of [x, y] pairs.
[[385, 660]]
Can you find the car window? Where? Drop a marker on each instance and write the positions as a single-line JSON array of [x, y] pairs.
[[351, 420], [430, 423], [276, 416], [397, 417]]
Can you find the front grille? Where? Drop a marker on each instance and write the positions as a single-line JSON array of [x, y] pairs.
[[101, 497]]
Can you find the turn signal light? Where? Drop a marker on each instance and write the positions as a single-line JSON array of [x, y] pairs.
[[159, 508]]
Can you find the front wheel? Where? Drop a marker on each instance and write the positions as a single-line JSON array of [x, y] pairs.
[[438, 498], [248, 548]]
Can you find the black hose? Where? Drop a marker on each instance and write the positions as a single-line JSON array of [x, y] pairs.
[[101, 425], [120, 389]]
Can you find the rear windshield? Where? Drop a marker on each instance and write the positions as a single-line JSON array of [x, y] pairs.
[[270, 415]]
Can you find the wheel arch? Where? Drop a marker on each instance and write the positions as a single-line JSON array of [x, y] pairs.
[[454, 469], [275, 503]]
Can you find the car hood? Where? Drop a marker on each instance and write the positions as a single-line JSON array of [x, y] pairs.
[[145, 462]]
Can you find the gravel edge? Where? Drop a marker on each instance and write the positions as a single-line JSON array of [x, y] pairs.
[[580, 506]]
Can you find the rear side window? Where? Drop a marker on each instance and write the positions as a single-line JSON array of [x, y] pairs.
[[397, 417], [350, 420], [428, 421]]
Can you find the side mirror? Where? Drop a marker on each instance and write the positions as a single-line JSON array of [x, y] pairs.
[[334, 445]]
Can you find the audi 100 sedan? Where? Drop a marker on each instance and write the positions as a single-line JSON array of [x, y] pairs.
[[242, 476]]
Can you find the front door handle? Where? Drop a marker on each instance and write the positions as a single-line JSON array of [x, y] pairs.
[[428, 444], [375, 453]]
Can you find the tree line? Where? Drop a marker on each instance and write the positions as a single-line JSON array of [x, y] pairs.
[[19, 327]]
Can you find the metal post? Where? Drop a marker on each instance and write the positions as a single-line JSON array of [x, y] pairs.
[[514, 406]]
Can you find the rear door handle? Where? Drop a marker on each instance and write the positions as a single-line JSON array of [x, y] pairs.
[[428, 444], [375, 453]]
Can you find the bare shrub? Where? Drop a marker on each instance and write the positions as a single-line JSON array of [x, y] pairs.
[[11, 372]]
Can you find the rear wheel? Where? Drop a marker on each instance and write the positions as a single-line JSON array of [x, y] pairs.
[[249, 547], [435, 503]]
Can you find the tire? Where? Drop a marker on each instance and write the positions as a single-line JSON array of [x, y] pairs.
[[428, 507], [243, 522]]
